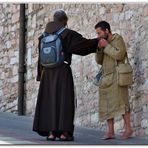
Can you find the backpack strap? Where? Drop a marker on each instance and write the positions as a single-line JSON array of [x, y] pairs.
[[60, 31], [44, 34], [126, 56]]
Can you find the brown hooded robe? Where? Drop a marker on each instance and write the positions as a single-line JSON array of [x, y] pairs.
[[55, 102]]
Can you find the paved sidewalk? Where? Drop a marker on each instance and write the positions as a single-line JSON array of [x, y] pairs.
[[11, 140], [17, 130]]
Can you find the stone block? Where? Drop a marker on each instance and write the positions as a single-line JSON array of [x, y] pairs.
[[2, 76], [128, 14], [14, 79], [13, 60], [94, 117], [15, 17], [146, 10], [15, 70], [144, 123], [29, 74], [1, 92], [1, 30], [29, 56], [30, 7]]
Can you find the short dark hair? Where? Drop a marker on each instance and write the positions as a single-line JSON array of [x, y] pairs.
[[103, 25], [60, 16]]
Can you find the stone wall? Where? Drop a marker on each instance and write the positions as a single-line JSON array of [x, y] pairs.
[[9, 51], [130, 20]]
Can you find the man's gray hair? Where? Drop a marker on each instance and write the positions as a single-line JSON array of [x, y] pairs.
[[60, 16]]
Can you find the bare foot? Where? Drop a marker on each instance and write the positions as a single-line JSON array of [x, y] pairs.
[[66, 137], [63, 136], [126, 135], [51, 136], [108, 136]]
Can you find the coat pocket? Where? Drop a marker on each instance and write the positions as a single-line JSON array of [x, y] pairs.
[[106, 80]]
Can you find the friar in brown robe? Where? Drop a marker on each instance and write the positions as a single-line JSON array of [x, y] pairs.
[[55, 103]]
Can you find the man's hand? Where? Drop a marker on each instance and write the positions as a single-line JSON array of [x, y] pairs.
[[102, 43]]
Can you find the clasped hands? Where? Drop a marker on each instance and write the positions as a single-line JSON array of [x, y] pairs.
[[102, 43]]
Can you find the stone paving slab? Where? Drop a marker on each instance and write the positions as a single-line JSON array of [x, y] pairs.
[[11, 140]]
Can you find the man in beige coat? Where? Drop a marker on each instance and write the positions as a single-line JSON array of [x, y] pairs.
[[113, 99]]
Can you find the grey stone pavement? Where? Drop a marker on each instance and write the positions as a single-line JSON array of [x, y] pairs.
[[17, 130]]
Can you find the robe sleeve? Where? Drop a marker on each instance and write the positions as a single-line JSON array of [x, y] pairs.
[[116, 51], [39, 67], [99, 56], [79, 45]]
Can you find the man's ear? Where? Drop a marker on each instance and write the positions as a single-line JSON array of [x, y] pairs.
[[107, 31]]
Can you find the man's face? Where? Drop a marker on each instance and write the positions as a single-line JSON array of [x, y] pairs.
[[101, 33]]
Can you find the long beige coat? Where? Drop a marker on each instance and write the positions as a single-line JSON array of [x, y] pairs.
[[113, 99]]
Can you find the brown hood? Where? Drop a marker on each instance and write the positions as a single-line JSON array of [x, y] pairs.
[[52, 27]]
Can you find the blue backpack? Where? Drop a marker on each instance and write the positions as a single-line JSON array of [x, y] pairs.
[[51, 50]]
